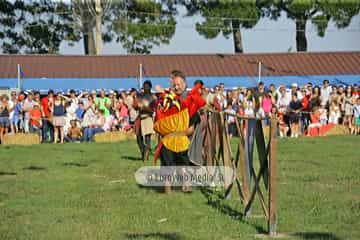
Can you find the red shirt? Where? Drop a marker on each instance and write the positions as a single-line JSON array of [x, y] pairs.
[[315, 117], [305, 103], [46, 104], [35, 113]]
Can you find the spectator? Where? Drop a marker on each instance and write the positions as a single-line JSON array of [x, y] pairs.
[[347, 106], [98, 127], [315, 99], [249, 104], [267, 103], [12, 103], [295, 90], [294, 115], [58, 120], [103, 103], [259, 94], [35, 120], [305, 115], [274, 93], [283, 127], [315, 121], [325, 93], [131, 102], [80, 111], [231, 120], [17, 117], [357, 116], [27, 107], [222, 89], [323, 115], [283, 101], [37, 97], [5, 110], [46, 106], [220, 97], [334, 112], [74, 133], [356, 92], [123, 111], [90, 113]]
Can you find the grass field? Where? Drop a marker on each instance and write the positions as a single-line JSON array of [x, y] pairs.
[[88, 191]]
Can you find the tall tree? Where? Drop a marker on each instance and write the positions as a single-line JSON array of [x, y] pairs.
[[226, 17], [35, 26], [139, 25], [320, 13]]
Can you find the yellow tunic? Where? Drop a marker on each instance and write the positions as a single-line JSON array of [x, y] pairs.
[[170, 126]]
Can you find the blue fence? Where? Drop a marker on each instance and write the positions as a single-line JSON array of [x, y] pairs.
[[126, 83]]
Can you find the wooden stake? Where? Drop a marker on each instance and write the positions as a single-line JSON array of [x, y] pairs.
[[272, 183]]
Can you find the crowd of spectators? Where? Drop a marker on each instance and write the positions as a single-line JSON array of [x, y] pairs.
[[298, 109], [77, 117]]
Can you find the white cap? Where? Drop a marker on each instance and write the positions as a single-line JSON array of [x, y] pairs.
[[294, 85]]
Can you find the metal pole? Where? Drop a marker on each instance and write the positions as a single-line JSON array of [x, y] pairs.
[[259, 72], [140, 74], [19, 77]]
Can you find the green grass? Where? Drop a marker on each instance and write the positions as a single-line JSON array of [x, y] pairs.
[[88, 191]]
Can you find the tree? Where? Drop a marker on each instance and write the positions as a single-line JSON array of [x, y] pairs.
[[139, 25], [226, 17], [319, 12], [35, 26]]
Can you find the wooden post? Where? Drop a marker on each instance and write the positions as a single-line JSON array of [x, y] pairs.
[[272, 222]]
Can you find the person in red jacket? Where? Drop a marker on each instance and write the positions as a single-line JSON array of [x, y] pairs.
[[305, 111], [175, 121]]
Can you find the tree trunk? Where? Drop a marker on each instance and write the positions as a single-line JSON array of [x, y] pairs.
[[86, 45], [301, 42], [98, 18], [238, 47], [90, 43]]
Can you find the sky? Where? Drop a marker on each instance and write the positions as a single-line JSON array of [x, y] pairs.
[[266, 36]]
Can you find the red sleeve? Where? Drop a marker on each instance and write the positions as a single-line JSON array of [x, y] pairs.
[[193, 101]]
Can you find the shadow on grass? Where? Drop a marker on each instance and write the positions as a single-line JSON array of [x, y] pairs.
[[74, 164], [165, 236], [157, 189], [316, 235], [7, 173], [132, 158], [34, 168], [216, 200]]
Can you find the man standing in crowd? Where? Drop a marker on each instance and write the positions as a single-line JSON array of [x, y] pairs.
[[144, 123], [325, 91], [47, 128]]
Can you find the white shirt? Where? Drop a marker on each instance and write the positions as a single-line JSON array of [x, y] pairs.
[[325, 94], [11, 105]]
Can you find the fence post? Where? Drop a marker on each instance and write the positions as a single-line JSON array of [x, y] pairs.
[[272, 221]]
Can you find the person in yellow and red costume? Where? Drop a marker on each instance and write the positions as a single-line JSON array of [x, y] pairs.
[[175, 120]]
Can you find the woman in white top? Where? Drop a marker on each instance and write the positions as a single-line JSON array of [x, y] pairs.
[[249, 104]]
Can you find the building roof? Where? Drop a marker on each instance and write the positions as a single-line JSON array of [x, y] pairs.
[[205, 65]]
